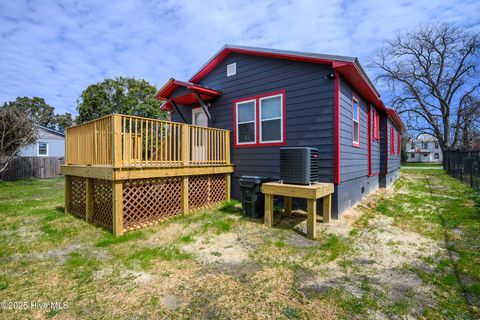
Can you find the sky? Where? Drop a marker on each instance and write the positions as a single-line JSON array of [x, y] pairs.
[[55, 49]]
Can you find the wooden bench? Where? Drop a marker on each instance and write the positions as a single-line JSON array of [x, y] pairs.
[[309, 192]]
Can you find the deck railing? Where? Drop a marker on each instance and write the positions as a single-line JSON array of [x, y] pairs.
[[120, 140]]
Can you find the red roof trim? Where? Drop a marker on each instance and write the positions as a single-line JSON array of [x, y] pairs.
[[173, 84], [227, 51], [395, 117], [347, 69]]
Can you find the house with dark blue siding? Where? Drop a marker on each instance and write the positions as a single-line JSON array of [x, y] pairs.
[[269, 99]]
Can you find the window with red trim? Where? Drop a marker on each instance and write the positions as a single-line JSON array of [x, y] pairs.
[[399, 143], [392, 141], [245, 128], [355, 123], [260, 120], [375, 125], [376, 120]]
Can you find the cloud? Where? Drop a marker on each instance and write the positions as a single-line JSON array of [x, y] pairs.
[[56, 49]]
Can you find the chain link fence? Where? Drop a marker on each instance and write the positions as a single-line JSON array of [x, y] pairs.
[[464, 166]]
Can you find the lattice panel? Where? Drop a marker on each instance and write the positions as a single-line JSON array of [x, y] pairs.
[[198, 195], [146, 201], [77, 204], [102, 203], [218, 188], [206, 190]]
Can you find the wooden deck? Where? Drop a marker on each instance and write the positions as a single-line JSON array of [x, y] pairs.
[[125, 172]]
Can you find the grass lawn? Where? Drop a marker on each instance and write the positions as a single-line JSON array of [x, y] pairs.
[[424, 164], [409, 251]]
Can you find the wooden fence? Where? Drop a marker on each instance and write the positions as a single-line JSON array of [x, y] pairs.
[[121, 140], [32, 167]]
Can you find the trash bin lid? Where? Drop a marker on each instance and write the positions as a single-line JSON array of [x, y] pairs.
[[256, 179], [250, 181]]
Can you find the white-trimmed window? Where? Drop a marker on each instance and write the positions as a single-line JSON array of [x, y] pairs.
[[246, 125], [355, 123], [260, 120], [271, 128], [42, 149]]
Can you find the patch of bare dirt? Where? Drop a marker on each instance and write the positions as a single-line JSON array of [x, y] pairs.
[[60, 253], [167, 234], [225, 249], [383, 257]]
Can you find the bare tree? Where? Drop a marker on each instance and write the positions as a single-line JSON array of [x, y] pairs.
[[17, 130], [433, 73], [471, 124]]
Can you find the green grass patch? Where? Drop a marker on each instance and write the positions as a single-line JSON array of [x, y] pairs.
[[218, 226], [331, 248], [3, 283], [81, 267], [145, 257], [291, 313], [187, 239], [56, 234], [129, 236], [422, 164], [230, 206], [334, 246]]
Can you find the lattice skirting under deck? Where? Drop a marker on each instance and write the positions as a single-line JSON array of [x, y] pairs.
[[206, 190], [78, 197], [102, 203], [145, 201]]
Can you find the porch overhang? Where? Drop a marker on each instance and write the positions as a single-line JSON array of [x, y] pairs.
[[194, 94]]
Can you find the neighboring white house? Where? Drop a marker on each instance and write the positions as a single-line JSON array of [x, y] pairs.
[[50, 143], [425, 148]]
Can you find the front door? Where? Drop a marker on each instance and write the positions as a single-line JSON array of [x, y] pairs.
[[199, 118]]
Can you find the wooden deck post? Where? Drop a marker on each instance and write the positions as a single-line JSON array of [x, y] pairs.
[[68, 193], [67, 144], [311, 218], [227, 147], [185, 145], [117, 207], [268, 210], [229, 186], [185, 194], [287, 205], [116, 140], [88, 199], [327, 208]]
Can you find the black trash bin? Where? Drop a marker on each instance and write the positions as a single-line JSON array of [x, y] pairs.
[[253, 200]]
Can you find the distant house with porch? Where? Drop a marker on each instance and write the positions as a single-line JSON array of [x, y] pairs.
[[424, 148]]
